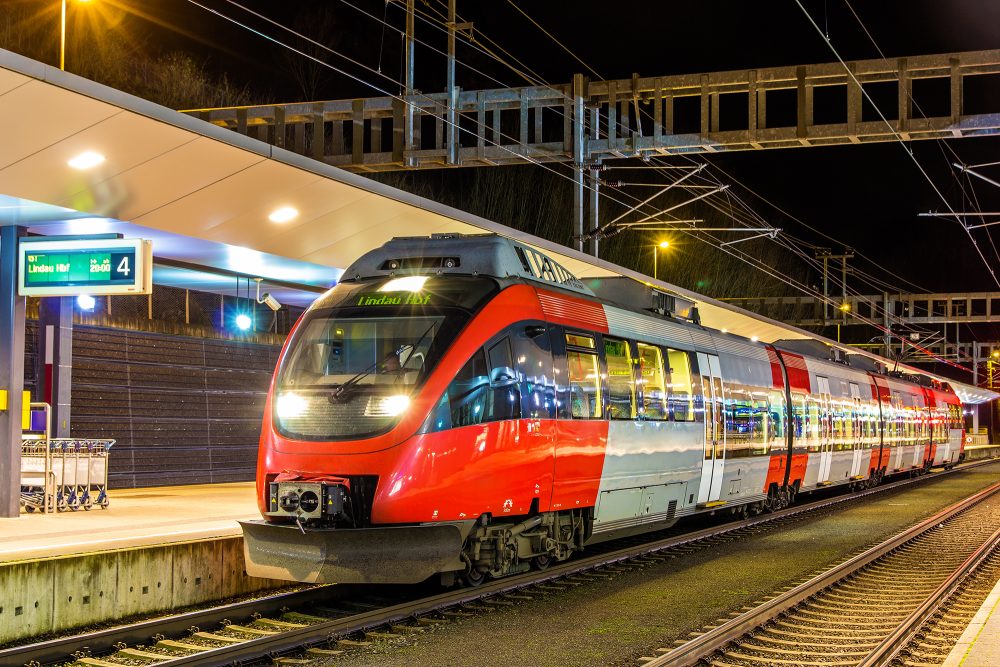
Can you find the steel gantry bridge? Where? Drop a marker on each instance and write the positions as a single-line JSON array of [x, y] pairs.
[[898, 312], [585, 122], [907, 309], [588, 121]]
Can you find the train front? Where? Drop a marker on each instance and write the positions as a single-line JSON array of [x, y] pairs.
[[341, 433]]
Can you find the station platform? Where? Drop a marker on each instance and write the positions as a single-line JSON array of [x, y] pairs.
[[979, 452], [152, 550], [979, 645], [135, 518]]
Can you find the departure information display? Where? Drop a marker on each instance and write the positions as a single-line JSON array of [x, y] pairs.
[[72, 267]]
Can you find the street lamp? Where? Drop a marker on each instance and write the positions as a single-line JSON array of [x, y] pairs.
[[62, 36], [656, 252]]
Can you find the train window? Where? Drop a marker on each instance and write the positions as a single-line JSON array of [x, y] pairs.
[[654, 389], [534, 363], [739, 421], [580, 340], [813, 425], [584, 376], [465, 401], [838, 427], [762, 424], [621, 380], [777, 419], [799, 416], [681, 398], [746, 422], [505, 391]]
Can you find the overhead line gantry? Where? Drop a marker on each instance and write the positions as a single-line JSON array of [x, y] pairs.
[[586, 122]]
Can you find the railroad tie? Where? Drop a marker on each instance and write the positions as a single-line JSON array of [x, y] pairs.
[[352, 643], [407, 629], [323, 652], [251, 631], [217, 638]]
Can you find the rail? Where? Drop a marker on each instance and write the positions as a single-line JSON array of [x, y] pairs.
[[717, 639]]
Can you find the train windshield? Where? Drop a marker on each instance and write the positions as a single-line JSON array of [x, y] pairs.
[[389, 352], [361, 352]]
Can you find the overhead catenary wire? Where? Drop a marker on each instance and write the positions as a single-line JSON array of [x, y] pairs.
[[364, 82], [927, 177], [784, 240], [941, 143], [562, 46], [537, 80], [894, 288], [553, 38], [442, 118]]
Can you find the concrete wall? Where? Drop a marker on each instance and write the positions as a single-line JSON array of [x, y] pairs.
[[977, 452], [44, 596]]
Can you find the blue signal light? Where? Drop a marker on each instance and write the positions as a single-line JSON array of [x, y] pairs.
[[243, 322]]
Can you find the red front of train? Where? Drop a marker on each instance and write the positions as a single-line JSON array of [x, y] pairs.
[[362, 476]]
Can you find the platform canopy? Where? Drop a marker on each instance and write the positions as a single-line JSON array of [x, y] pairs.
[[206, 196]]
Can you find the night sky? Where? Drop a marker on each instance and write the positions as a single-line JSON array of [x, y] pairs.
[[866, 197]]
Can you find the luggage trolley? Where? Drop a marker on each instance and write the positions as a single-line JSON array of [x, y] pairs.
[[62, 473], [38, 478]]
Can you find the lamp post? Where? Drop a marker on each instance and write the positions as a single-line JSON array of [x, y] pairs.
[[656, 252], [62, 36]]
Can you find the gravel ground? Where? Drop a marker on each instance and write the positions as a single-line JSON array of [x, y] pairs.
[[614, 621]]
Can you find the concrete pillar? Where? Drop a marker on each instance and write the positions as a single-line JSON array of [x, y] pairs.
[[11, 373], [55, 355]]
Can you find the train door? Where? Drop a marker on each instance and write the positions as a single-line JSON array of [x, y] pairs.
[[715, 432], [856, 437], [826, 441]]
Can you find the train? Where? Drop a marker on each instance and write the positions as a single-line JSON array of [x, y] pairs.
[[463, 407]]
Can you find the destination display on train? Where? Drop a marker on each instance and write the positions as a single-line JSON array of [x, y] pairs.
[[72, 267]]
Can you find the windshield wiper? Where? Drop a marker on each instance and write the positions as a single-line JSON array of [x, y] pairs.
[[340, 393]]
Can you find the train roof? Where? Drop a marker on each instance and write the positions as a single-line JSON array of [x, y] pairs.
[[464, 254]]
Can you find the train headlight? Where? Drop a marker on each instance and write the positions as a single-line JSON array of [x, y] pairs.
[[396, 405], [387, 406], [290, 405]]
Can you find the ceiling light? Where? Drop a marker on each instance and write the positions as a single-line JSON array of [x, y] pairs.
[[283, 214], [86, 302], [243, 322], [86, 160], [88, 226]]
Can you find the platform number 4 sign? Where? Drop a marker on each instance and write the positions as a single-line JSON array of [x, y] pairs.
[[121, 263]]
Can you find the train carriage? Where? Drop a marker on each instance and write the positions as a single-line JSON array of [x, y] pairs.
[[464, 406]]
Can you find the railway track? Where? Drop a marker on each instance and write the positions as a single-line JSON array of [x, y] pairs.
[[318, 624], [902, 602]]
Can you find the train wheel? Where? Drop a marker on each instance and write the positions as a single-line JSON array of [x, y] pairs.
[[473, 578], [541, 562]]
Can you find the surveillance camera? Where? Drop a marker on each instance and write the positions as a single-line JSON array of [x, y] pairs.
[[270, 301]]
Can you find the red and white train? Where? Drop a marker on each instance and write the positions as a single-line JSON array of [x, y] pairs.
[[464, 406]]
